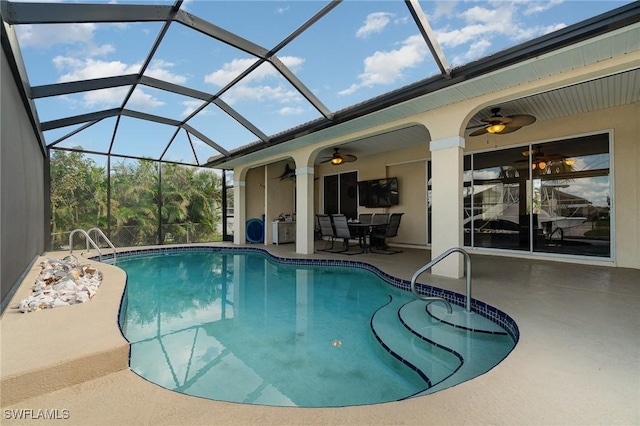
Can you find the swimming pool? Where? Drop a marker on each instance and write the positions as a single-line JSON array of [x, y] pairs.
[[240, 325]]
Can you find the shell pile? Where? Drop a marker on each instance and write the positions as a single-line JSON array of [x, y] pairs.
[[61, 283]]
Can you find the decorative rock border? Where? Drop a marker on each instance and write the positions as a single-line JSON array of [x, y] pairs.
[[61, 283]]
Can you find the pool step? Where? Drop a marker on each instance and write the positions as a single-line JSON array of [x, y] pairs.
[[432, 362], [431, 321]]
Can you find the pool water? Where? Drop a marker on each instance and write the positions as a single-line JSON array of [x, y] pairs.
[[240, 327]]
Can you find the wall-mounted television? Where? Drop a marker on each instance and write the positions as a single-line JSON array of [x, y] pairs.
[[378, 192]]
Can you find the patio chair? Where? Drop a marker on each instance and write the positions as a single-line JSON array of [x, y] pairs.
[[326, 231], [365, 217], [341, 226], [380, 234], [379, 223]]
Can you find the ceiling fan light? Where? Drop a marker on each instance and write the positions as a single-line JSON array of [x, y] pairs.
[[336, 161], [496, 128]]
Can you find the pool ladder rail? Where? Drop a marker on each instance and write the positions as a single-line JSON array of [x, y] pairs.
[[467, 273], [89, 240]]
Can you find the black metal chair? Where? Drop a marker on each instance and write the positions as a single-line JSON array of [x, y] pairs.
[[380, 235], [326, 231], [365, 217], [379, 223], [341, 226]]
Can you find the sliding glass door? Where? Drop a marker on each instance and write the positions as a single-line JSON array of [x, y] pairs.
[[553, 198], [340, 194]]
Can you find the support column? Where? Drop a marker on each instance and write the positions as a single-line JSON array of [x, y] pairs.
[[447, 204], [304, 210], [239, 211]]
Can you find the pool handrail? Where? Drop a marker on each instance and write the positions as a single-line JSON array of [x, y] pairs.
[[467, 272], [88, 240], [104, 237]]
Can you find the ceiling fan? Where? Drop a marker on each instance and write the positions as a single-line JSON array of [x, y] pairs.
[[337, 158], [499, 124]]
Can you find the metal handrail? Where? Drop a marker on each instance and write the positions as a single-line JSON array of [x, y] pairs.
[[88, 240], [104, 237], [467, 271]]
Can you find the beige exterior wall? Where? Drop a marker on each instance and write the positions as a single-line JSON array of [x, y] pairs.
[[254, 190], [412, 193], [280, 195], [22, 177]]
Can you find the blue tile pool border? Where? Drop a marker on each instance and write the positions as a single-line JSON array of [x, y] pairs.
[[477, 306]]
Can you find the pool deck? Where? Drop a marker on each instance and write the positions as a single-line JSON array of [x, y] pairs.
[[577, 361]]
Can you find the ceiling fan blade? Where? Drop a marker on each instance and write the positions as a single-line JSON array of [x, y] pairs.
[[509, 129], [497, 119], [348, 158], [520, 120], [479, 132]]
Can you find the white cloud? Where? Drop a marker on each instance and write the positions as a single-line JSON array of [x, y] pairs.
[[231, 70], [444, 9], [113, 97], [387, 67], [143, 100], [160, 69], [45, 36], [261, 85], [73, 69], [191, 106], [82, 69], [282, 10], [532, 7], [374, 23], [261, 93], [106, 98], [498, 21], [291, 111], [476, 50]]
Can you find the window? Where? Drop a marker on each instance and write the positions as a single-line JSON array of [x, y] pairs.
[[553, 198], [341, 194]]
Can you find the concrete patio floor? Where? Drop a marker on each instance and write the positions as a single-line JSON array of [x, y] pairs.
[[577, 361]]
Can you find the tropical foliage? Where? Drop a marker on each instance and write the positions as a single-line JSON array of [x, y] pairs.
[[150, 202]]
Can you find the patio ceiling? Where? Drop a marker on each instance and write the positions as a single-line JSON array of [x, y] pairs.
[[194, 136]]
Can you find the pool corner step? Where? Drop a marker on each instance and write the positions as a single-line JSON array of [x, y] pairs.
[[431, 362]]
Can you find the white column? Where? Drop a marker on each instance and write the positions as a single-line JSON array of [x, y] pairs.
[[304, 210], [239, 212], [447, 208]]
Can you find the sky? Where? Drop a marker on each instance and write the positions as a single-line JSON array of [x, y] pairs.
[[360, 50]]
